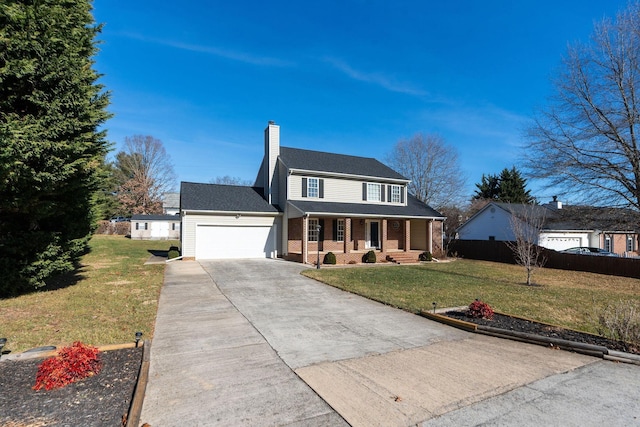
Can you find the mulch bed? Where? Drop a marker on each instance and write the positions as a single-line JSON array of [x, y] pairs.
[[101, 400], [522, 325]]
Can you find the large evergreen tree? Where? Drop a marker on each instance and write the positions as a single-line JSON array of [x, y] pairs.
[[509, 187], [50, 148]]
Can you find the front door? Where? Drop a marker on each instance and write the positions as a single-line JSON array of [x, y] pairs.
[[373, 234]]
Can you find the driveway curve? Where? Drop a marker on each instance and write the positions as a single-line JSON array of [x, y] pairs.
[[252, 342]]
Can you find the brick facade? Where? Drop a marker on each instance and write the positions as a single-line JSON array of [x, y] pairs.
[[394, 234]]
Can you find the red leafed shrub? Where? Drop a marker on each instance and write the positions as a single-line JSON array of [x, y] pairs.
[[480, 309], [71, 364]]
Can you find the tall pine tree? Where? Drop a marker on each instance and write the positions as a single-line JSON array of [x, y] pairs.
[[50, 148], [509, 187]]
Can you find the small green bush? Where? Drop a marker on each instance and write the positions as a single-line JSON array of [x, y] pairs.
[[425, 256], [369, 257], [174, 252], [329, 258]]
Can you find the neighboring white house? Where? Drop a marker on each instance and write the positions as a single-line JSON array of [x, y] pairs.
[[171, 203], [564, 227], [155, 227]]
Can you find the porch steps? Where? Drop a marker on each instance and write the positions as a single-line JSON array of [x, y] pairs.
[[403, 258]]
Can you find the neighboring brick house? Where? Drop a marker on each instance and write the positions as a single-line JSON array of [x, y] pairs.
[[308, 201], [612, 229]]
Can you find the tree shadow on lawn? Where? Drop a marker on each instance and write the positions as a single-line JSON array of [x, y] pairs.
[[505, 281]]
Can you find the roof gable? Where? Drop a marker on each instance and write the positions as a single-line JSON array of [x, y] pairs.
[[223, 198], [296, 158]]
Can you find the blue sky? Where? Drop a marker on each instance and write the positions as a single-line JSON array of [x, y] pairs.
[[349, 76]]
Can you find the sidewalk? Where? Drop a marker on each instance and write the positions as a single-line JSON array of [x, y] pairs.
[[209, 365]]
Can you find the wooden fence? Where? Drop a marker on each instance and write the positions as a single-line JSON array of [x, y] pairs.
[[493, 250]]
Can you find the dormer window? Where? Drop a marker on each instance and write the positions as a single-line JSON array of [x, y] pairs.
[[313, 188]]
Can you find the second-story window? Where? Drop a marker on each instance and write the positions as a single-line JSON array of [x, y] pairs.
[[373, 192], [312, 187], [396, 191]]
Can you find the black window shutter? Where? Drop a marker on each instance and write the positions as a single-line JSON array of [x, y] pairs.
[[401, 194], [321, 188], [389, 188], [335, 230], [321, 236], [304, 187], [364, 191], [383, 191]]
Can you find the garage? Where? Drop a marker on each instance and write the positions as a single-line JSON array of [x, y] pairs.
[[231, 242], [561, 243]]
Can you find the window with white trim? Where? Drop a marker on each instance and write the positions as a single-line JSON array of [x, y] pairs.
[[313, 230], [608, 244], [374, 192], [630, 243], [395, 194], [340, 230], [312, 187]]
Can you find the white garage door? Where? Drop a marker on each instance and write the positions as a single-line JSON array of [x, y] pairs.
[[226, 242], [561, 243]]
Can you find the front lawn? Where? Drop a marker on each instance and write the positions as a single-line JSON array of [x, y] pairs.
[[565, 298], [112, 296]]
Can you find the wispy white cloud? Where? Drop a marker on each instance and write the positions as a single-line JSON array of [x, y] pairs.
[[233, 55], [378, 79]]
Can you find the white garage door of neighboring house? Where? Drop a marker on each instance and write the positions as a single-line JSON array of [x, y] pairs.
[[227, 242], [561, 243]]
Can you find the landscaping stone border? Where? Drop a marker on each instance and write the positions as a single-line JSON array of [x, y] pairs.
[[588, 349]]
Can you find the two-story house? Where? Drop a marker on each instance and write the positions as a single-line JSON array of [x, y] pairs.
[[308, 202]]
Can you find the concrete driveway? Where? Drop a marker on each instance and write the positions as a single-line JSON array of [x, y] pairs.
[[371, 364]]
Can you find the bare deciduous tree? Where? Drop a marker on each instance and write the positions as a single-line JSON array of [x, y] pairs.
[[231, 180], [586, 141], [145, 173], [433, 168], [526, 222]]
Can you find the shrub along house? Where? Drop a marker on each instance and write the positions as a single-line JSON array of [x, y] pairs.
[[304, 202]]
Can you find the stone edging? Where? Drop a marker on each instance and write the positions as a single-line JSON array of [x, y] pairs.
[[589, 349]]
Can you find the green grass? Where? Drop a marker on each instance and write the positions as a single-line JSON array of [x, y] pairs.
[[566, 298], [112, 296]]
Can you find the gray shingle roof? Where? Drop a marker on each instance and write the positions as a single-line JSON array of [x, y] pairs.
[[295, 158], [223, 198], [157, 217], [171, 200], [594, 218], [414, 208]]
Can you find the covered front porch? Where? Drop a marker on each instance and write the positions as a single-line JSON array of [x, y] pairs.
[[349, 238]]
